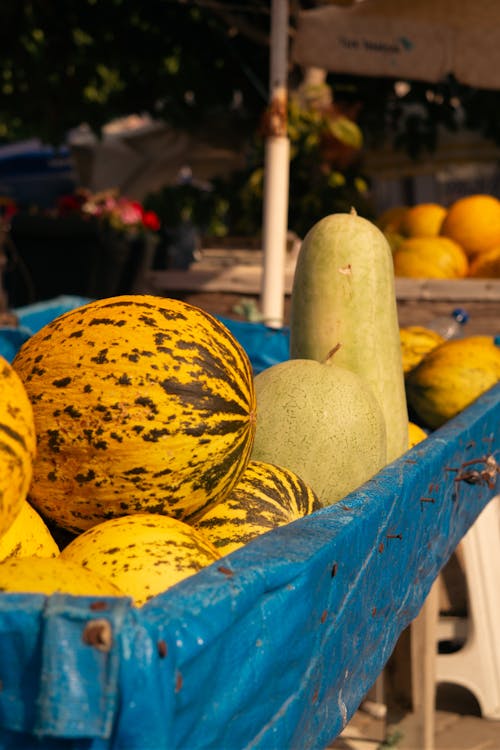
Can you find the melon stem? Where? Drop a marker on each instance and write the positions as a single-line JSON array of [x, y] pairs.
[[331, 353]]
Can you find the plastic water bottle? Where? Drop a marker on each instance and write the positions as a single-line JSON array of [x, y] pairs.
[[450, 326]]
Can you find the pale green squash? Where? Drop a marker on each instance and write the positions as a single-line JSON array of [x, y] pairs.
[[321, 422], [343, 294]]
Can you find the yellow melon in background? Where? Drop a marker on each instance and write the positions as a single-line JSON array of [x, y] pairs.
[[451, 377], [430, 258], [486, 265], [416, 342], [391, 219], [483, 347], [423, 220], [415, 434], [28, 535], [50, 575], [473, 222], [394, 239]]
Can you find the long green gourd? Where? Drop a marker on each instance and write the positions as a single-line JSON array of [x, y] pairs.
[[344, 294]]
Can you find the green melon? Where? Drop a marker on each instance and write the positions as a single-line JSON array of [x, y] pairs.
[[322, 422]]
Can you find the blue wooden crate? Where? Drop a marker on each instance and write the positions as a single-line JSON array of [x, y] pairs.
[[272, 647]]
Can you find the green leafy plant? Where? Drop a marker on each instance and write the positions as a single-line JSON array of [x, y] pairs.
[[325, 177]]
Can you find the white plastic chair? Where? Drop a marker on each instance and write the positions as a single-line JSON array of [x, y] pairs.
[[476, 665]]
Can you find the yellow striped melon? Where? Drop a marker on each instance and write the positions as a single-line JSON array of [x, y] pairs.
[[17, 444], [28, 536], [415, 434], [266, 496], [423, 220], [416, 342], [143, 554], [486, 264], [141, 404], [451, 377], [51, 575], [430, 258]]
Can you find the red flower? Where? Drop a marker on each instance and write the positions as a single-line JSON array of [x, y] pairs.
[[109, 207], [7, 208], [151, 221], [70, 204]]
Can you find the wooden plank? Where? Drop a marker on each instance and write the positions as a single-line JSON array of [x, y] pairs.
[[459, 290], [484, 317], [241, 278], [246, 278]]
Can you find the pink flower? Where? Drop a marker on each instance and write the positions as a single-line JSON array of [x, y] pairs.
[[130, 212], [119, 212]]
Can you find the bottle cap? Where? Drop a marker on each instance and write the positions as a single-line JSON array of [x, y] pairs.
[[460, 315]]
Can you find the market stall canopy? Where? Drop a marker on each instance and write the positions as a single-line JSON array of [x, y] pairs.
[[425, 40]]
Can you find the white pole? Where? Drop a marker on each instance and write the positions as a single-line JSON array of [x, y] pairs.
[[277, 172]]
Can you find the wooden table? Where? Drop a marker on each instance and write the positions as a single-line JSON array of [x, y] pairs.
[[238, 273]]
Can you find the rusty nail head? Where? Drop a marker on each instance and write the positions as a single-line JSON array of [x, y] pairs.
[[98, 633], [225, 571]]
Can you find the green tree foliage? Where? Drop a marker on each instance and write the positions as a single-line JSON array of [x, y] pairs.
[[413, 122], [65, 62], [325, 177], [189, 62]]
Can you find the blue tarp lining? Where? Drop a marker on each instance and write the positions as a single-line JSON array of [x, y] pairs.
[[273, 647], [38, 176]]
